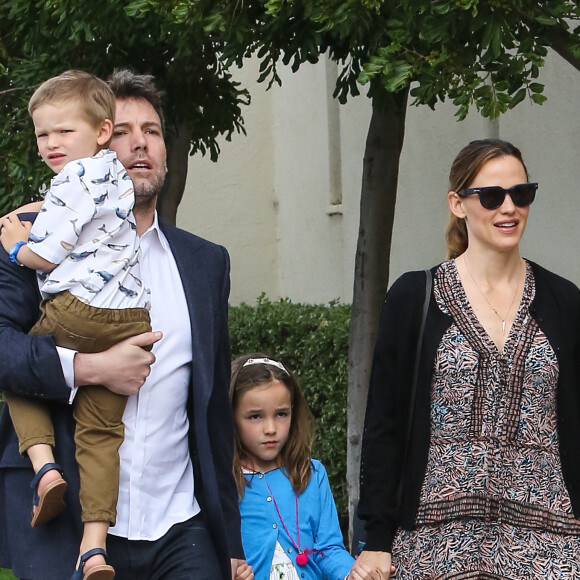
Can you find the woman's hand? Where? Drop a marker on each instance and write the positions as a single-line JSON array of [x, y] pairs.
[[372, 566]]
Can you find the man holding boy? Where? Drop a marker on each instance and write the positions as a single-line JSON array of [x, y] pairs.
[[177, 509]]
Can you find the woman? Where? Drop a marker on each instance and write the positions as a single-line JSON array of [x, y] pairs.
[[490, 487]]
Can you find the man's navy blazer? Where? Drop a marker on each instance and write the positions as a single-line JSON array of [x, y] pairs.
[[31, 366]]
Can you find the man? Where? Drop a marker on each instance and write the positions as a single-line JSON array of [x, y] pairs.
[[177, 510]]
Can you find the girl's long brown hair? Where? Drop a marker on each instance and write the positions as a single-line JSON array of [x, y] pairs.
[[464, 169], [296, 454]]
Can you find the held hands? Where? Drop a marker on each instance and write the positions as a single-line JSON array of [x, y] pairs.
[[12, 230], [372, 566], [122, 368], [243, 571]]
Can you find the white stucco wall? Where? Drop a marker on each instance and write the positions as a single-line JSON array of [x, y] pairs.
[[233, 201], [268, 197]]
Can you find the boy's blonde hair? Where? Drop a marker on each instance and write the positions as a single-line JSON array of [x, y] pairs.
[[93, 96]]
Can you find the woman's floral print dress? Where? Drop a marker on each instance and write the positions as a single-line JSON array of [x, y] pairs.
[[493, 502]]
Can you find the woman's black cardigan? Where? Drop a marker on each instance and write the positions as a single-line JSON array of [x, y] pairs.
[[556, 309]]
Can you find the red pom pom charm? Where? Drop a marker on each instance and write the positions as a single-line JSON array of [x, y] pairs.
[[302, 559]]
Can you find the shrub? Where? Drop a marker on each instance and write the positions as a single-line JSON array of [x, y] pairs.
[[313, 341]]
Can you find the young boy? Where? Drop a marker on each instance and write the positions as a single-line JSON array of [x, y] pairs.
[[85, 249]]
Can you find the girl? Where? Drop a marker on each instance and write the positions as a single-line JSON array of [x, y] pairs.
[[491, 480], [290, 525]]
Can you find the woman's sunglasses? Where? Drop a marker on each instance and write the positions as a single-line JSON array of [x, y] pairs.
[[522, 194]]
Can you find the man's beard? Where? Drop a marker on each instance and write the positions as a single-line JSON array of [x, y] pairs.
[[146, 192]]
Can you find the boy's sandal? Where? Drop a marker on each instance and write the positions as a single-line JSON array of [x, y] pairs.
[[50, 503], [100, 572]]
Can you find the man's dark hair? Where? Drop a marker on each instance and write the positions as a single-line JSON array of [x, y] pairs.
[[128, 85]]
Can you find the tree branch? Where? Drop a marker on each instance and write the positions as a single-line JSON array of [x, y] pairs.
[[561, 42]]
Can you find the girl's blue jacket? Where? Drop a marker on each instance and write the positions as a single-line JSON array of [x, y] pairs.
[[317, 517]]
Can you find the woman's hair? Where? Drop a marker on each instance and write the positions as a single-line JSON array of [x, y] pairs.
[[93, 97], [464, 169], [295, 456]]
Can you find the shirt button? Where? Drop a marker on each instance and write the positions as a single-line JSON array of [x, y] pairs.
[[72, 338], [274, 526], [260, 476], [268, 499], [289, 550]]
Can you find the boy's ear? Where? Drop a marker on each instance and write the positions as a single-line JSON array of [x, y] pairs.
[[105, 132]]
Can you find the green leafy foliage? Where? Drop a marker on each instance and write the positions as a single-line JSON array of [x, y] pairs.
[[313, 341], [482, 54], [171, 40], [441, 48]]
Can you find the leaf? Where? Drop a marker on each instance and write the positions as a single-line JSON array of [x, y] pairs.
[[518, 97], [496, 41], [545, 20], [539, 99], [398, 77]]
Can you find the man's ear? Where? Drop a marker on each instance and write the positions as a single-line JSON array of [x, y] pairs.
[[104, 132], [455, 204]]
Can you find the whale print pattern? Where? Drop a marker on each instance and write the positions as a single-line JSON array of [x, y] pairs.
[[493, 503], [93, 238]]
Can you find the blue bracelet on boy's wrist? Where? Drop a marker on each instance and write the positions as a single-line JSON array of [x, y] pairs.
[[14, 250]]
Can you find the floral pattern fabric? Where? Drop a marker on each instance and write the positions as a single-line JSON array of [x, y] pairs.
[[493, 502]]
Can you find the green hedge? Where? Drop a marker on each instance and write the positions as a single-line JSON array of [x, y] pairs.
[[313, 341]]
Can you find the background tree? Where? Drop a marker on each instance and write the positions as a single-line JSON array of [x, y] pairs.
[[480, 54], [41, 38]]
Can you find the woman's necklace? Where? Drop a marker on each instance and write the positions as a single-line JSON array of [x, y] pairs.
[[502, 319]]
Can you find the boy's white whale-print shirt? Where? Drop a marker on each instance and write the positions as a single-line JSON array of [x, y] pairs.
[[86, 226]]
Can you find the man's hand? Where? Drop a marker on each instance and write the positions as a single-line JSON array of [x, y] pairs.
[[12, 230], [243, 570], [122, 368], [372, 566]]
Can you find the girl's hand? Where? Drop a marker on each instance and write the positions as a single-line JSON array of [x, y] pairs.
[[372, 566], [244, 571], [13, 230]]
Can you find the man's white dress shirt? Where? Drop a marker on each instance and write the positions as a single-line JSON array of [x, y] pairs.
[[156, 479]]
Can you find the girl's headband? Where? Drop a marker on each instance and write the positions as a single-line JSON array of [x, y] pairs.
[[265, 361]]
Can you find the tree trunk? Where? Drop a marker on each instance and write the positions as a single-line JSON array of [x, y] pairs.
[[377, 209], [178, 145]]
